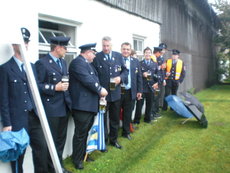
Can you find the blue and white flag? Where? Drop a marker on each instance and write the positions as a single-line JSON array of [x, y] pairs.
[[96, 138]]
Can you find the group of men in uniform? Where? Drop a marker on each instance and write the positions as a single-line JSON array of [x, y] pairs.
[[118, 77]]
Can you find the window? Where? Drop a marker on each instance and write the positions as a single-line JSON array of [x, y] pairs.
[[45, 34], [49, 29], [138, 45]]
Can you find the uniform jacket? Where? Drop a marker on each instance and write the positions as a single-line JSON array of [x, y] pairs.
[[15, 96], [56, 103], [111, 68], [161, 72], [153, 67], [84, 85], [136, 77]]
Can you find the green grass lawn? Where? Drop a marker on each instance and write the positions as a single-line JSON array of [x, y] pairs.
[[167, 146]]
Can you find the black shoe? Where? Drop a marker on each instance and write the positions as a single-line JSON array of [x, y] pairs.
[[115, 144], [89, 159], [104, 151], [79, 166], [127, 136], [164, 109], [158, 115], [136, 122], [65, 171], [147, 121]]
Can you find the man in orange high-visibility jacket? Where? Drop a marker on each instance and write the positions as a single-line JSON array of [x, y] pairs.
[[175, 73]]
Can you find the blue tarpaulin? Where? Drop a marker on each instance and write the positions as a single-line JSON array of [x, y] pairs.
[[178, 106], [13, 144]]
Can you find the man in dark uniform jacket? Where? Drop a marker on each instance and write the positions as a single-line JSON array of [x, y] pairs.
[[54, 93], [161, 81], [162, 65], [110, 64], [175, 74], [18, 109], [149, 71], [85, 91], [131, 90]]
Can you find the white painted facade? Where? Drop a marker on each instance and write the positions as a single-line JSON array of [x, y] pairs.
[[91, 19]]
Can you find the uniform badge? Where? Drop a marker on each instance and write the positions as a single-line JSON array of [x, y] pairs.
[[96, 84], [113, 58], [47, 87]]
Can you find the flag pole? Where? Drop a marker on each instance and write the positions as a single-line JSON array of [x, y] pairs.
[[40, 108], [86, 155]]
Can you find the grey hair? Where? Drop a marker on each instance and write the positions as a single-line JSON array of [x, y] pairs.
[[106, 38]]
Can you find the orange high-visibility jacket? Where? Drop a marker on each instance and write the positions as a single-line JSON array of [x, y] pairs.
[[154, 58], [179, 66]]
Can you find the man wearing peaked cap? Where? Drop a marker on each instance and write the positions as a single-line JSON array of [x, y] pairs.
[[175, 74], [160, 76], [163, 46], [18, 109], [54, 93], [25, 34], [89, 46], [60, 40], [162, 65], [175, 52], [85, 91]]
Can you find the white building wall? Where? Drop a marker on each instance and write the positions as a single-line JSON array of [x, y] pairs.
[[93, 21]]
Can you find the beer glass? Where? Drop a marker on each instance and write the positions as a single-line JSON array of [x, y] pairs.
[[102, 104], [156, 92], [112, 84], [122, 88], [149, 75], [65, 79]]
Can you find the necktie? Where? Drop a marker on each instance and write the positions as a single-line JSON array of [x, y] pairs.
[[108, 57], [59, 63], [22, 69], [125, 60], [147, 62]]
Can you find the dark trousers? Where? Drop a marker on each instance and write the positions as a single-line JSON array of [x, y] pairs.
[[161, 95], [148, 97], [83, 122], [58, 127], [170, 89], [127, 106], [113, 108], [155, 106], [38, 145]]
